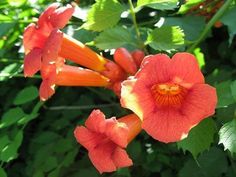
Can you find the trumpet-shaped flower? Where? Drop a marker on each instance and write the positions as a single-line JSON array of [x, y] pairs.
[[105, 139], [169, 95]]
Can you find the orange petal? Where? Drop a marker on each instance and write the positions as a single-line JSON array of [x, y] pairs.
[[121, 158], [77, 52], [76, 76], [32, 62]]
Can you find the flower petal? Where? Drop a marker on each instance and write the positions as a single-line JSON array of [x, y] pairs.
[[184, 67], [167, 125], [96, 121], [200, 102], [52, 47], [121, 158], [117, 132], [61, 16], [46, 90], [33, 38], [87, 138], [101, 158], [32, 62]]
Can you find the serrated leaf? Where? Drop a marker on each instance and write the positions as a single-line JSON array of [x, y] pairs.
[[229, 20], [113, 38], [11, 117], [199, 138], [159, 4], [224, 94], [227, 136], [103, 14], [191, 25], [2, 172], [26, 95], [166, 38]]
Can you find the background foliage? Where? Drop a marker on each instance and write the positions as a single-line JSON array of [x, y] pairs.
[[36, 139]]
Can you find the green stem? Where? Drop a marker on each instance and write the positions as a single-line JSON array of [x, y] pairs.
[[6, 60], [209, 25], [18, 75], [132, 12]]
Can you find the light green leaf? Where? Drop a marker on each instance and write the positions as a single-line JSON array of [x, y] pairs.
[[103, 14], [227, 136], [199, 138], [166, 38], [16, 3], [200, 57], [159, 4], [2, 172], [189, 4], [191, 25], [26, 95], [224, 94], [11, 117], [229, 20], [113, 38], [9, 71]]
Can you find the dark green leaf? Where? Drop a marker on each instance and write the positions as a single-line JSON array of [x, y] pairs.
[[2, 172], [113, 38], [224, 94], [199, 138], [26, 95], [11, 117]]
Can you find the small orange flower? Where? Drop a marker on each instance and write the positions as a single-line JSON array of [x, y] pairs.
[[169, 95], [105, 140]]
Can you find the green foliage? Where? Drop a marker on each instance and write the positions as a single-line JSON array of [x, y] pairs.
[[114, 38], [2, 172], [189, 4], [227, 135], [199, 138], [159, 4], [103, 14], [26, 95], [166, 38], [228, 19]]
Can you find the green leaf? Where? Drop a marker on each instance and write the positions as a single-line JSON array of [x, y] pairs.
[[189, 4], [50, 164], [166, 38], [9, 71], [229, 20], [28, 118], [16, 3], [113, 38], [2, 172], [5, 27], [224, 94], [227, 136], [10, 151], [191, 25], [199, 138], [26, 95], [159, 4], [233, 89], [11, 117], [103, 14]]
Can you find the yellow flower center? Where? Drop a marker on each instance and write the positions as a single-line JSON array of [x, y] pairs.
[[168, 94]]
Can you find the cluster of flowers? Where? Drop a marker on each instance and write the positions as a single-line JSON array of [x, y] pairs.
[[168, 96]]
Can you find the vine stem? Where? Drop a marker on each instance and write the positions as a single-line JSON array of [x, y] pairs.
[[210, 24]]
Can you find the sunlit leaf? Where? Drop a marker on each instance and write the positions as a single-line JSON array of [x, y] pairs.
[[166, 38], [159, 4], [103, 14]]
